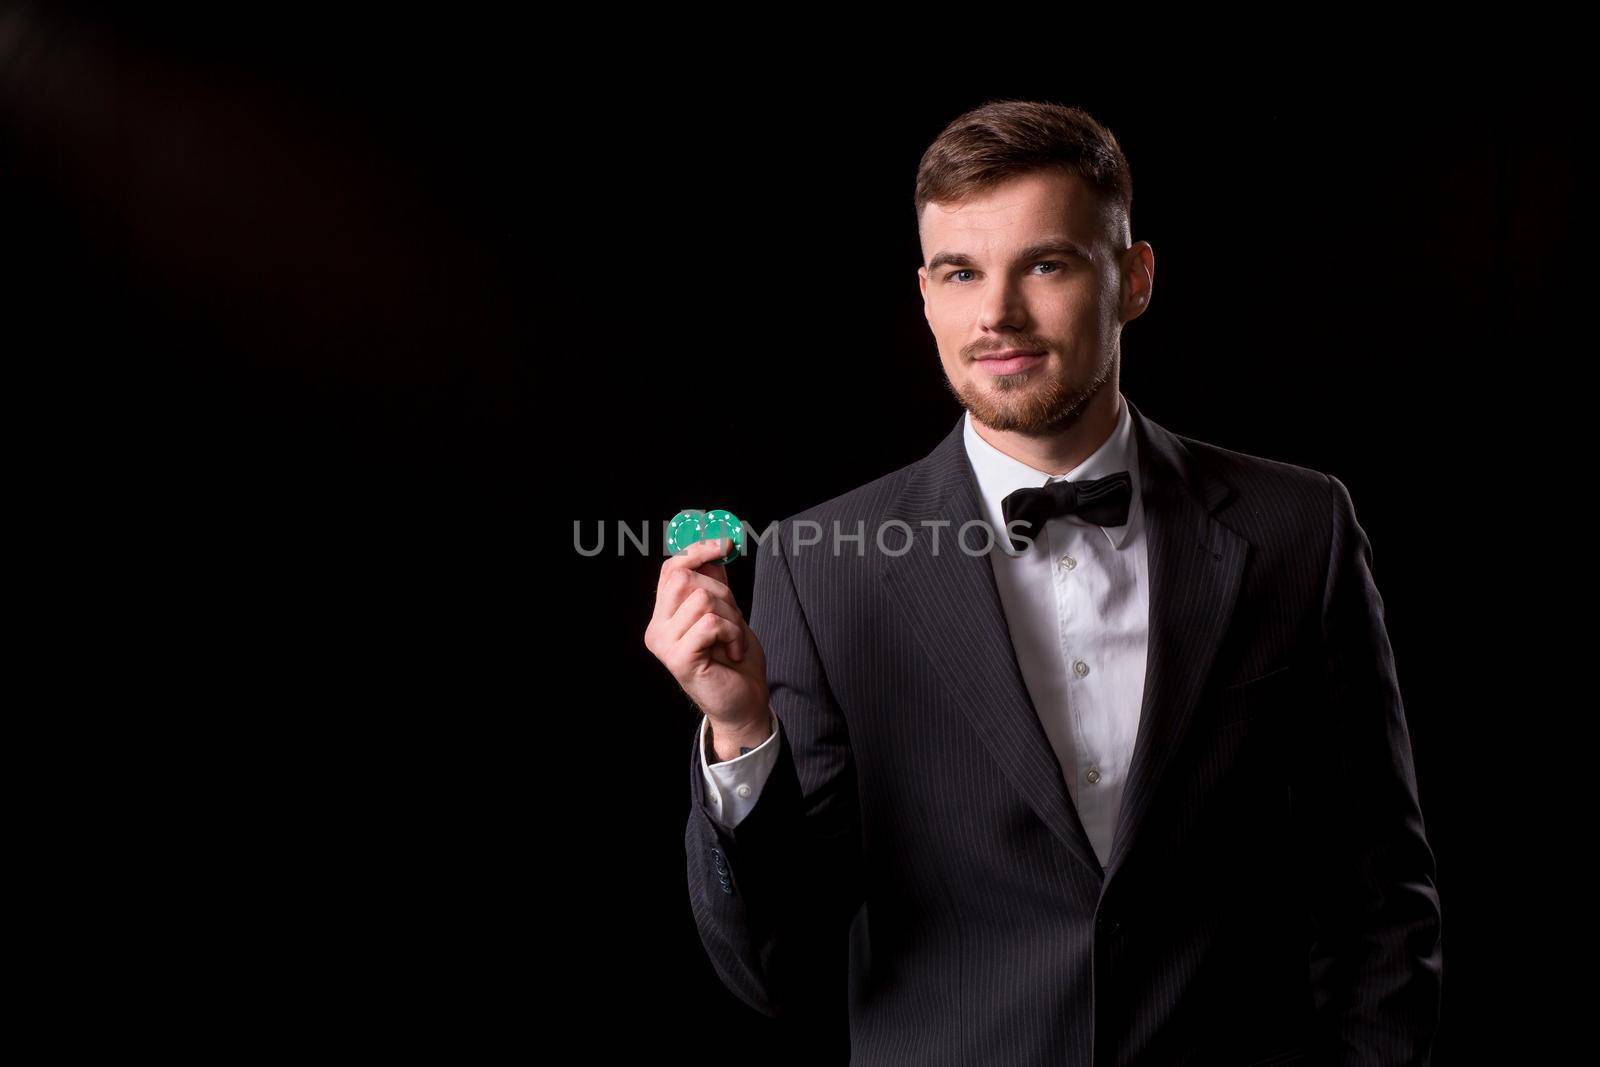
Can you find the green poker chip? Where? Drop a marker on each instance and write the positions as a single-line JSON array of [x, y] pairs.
[[685, 529], [692, 524]]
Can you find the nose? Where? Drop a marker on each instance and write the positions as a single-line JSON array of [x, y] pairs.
[[1001, 306]]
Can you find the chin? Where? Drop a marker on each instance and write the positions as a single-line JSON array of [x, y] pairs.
[[1034, 404]]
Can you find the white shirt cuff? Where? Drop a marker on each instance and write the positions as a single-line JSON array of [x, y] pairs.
[[734, 786]]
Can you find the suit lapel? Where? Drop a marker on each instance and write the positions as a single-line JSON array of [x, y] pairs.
[[952, 605], [1195, 565]]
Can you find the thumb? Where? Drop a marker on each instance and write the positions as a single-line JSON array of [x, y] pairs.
[[712, 569]]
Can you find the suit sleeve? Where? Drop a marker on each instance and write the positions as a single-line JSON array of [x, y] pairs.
[[1376, 960], [773, 897]]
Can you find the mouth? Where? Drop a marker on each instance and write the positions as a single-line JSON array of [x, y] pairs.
[[1010, 361]]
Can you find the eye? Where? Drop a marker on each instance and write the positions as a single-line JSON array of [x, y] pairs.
[[1055, 263]]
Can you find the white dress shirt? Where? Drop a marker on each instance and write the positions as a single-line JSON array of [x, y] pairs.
[[1077, 603]]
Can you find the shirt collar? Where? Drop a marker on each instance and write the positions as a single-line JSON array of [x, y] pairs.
[[999, 474]]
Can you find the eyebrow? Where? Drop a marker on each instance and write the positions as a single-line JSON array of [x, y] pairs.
[[1053, 246]]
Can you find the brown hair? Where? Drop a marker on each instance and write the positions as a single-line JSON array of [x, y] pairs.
[[1001, 139]]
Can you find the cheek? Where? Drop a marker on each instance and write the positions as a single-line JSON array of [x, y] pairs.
[[949, 329], [1081, 298], [944, 312], [1082, 309]]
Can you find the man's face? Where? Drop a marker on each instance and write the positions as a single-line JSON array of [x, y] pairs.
[[1038, 265]]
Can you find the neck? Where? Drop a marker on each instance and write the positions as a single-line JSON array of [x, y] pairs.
[[1060, 452]]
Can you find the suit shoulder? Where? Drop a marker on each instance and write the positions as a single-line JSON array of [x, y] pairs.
[[1267, 486]]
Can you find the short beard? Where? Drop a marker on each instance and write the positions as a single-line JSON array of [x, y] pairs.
[[1039, 411]]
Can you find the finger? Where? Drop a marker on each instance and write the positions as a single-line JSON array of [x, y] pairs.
[[695, 605], [736, 647], [713, 569], [670, 589], [690, 558], [708, 631], [719, 653], [672, 597]]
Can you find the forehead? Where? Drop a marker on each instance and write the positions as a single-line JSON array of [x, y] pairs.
[[1014, 213]]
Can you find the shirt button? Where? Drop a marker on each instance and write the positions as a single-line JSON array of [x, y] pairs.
[[1068, 562], [1080, 668], [1093, 776], [743, 791]]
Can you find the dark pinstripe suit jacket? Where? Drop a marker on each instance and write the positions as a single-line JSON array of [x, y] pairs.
[[1270, 893]]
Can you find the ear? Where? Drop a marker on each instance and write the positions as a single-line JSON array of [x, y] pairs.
[[1138, 279], [922, 285]]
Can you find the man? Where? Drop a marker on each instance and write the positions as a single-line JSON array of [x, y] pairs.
[[1135, 787]]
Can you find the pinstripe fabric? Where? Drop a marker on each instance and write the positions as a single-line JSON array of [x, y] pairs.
[[1270, 892]]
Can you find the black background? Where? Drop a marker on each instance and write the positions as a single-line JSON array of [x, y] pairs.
[[353, 319]]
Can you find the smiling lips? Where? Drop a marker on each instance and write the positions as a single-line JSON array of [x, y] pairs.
[[1010, 360]]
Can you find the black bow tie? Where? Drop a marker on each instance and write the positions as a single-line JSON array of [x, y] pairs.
[[1102, 501]]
